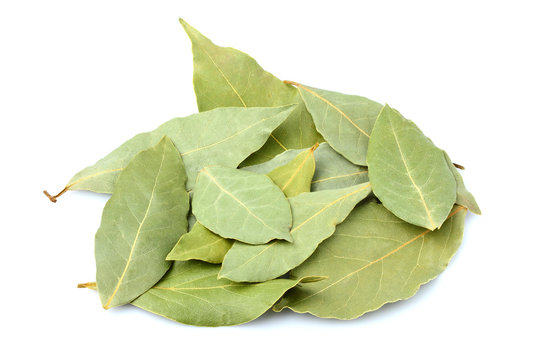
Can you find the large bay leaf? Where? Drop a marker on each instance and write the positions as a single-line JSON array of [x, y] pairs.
[[201, 244], [408, 173], [141, 222], [295, 177], [219, 137], [373, 258], [464, 197], [190, 293], [223, 77], [241, 205], [332, 171], [315, 216], [345, 121]]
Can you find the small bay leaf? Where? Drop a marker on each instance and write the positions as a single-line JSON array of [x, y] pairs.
[[408, 173], [140, 224], [223, 77], [315, 216], [464, 197], [372, 259], [190, 293], [295, 177], [345, 121], [224, 136], [201, 244], [241, 205]]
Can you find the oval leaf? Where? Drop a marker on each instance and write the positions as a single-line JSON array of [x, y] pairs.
[[373, 258], [345, 121], [408, 173], [315, 216], [190, 293], [241, 205], [140, 224], [295, 177], [203, 139], [201, 244]]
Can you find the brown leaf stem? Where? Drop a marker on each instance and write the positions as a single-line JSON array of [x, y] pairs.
[[459, 166], [53, 198]]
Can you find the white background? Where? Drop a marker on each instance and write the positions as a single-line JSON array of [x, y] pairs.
[[77, 78]]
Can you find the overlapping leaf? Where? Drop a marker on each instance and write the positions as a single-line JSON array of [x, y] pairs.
[[373, 258], [224, 77], [203, 139], [464, 197], [345, 121], [190, 293], [140, 224], [315, 216], [408, 173], [241, 205], [201, 244]]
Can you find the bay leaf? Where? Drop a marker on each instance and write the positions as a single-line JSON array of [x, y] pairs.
[[373, 258], [409, 174], [345, 121], [464, 197], [241, 205], [200, 244], [295, 177], [315, 216], [223, 77], [190, 293], [332, 171], [224, 136], [141, 222]]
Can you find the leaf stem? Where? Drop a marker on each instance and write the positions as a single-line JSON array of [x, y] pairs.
[[459, 166], [88, 285], [53, 198]]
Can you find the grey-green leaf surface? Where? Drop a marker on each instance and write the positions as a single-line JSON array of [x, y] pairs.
[[190, 293], [373, 258], [345, 121], [315, 216], [408, 173], [225, 136], [141, 222], [295, 177], [223, 77], [201, 244], [464, 197], [332, 171], [241, 205]]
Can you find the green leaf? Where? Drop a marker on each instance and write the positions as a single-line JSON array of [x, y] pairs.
[[315, 216], [464, 197], [219, 137], [190, 293], [295, 177], [345, 121], [223, 77], [373, 258], [408, 173], [141, 222], [241, 205], [201, 244], [332, 171]]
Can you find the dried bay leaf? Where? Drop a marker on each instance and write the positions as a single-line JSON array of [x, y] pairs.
[[315, 216], [464, 197], [223, 77], [345, 121], [190, 293], [295, 177], [241, 205], [140, 224], [373, 258], [408, 173], [200, 244], [332, 171], [224, 136]]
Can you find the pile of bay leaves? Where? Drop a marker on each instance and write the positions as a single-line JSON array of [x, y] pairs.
[[276, 195]]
